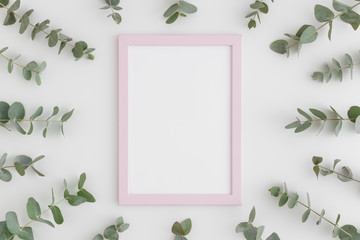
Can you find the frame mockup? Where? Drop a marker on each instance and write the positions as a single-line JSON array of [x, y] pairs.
[[130, 49]]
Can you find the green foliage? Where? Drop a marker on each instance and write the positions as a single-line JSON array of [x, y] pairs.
[[32, 69], [54, 36], [321, 117], [259, 6], [15, 114], [112, 232], [181, 8], [253, 233], [309, 33], [21, 163], [11, 227], [114, 6], [293, 200], [181, 229]]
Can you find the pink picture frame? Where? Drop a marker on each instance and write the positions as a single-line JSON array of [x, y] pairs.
[[235, 42]]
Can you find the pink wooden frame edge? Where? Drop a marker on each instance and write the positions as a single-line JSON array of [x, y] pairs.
[[235, 198]]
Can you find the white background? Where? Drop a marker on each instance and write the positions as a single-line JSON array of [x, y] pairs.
[[273, 88]]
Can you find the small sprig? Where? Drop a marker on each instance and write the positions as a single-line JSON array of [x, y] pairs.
[[79, 49], [300, 126], [342, 232], [112, 232], [337, 68], [181, 8], [344, 175], [10, 228], [114, 6], [21, 163], [260, 7], [28, 70], [181, 229], [250, 232], [309, 33], [15, 114]]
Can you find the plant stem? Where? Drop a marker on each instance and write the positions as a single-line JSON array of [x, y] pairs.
[[339, 174], [318, 214], [47, 34], [28, 120], [17, 64], [26, 225], [318, 120], [347, 67]]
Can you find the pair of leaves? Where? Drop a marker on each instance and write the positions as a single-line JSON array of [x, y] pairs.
[[15, 114], [81, 196], [54, 36], [29, 70], [181, 229], [181, 8], [21, 163], [337, 68], [114, 6], [300, 126], [253, 233], [112, 232], [260, 7], [309, 33]]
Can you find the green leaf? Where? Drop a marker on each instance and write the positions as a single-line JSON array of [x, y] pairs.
[[173, 18], [353, 113], [275, 191], [25, 21], [338, 127], [318, 113], [317, 160], [78, 50], [316, 170], [251, 14], [88, 196], [98, 237], [357, 125], [250, 234], [171, 10], [10, 19], [118, 222], [308, 199], [351, 64], [273, 236], [293, 125], [177, 229], [3, 3], [12, 223], [306, 215], [111, 233], [16, 111], [5, 175], [124, 227], [264, 9], [26, 234], [252, 24], [321, 217], [259, 232], [112, 2], [336, 161], [116, 17], [322, 13], [3, 159], [318, 76], [33, 209], [187, 7], [293, 201], [283, 199], [53, 38], [347, 174], [4, 112], [352, 18], [330, 29], [10, 66], [186, 225], [62, 46], [336, 112], [74, 200], [19, 168], [257, 5], [309, 35], [252, 215], [25, 161], [349, 229], [280, 46], [82, 181], [242, 227], [338, 68], [57, 215], [303, 127], [338, 6], [15, 6], [307, 116]]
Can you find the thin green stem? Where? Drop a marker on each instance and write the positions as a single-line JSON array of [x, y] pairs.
[[318, 214], [319, 120], [347, 67], [340, 174], [17, 64], [47, 34], [28, 120], [26, 225]]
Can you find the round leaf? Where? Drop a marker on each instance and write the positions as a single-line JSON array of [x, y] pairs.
[[4, 112], [353, 113], [280, 46], [17, 111], [309, 35], [322, 13]]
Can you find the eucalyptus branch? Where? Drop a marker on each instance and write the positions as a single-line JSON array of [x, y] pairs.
[[181, 8], [10, 228], [112, 232], [300, 126], [21, 163], [260, 7], [15, 114], [251, 232], [114, 6], [79, 49], [293, 200], [28, 70], [181, 229], [337, 68], [346, 174], [309, 33]]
